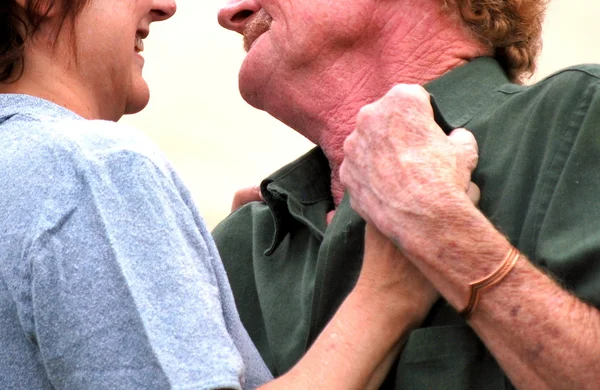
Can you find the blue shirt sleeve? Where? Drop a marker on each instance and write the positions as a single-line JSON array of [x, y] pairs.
[[123, 286]]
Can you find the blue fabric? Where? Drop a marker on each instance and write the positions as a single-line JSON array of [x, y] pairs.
[[109, 278]]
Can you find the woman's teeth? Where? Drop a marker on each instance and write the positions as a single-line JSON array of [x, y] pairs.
[[139, 44]]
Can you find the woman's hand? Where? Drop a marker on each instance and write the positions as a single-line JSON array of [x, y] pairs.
[[245, 196], [387, 274]]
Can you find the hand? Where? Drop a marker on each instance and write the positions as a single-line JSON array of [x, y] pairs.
[[388, 275], [245, 196], [402, 172]]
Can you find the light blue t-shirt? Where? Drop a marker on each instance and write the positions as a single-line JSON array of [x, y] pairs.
[[108, 276]]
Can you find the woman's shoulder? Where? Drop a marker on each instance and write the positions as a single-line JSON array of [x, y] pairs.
[[31, 128], [66, 158], [101, 138], [55, 166], [27, 139]]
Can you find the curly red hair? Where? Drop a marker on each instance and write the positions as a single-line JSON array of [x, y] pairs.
[[512, 28]]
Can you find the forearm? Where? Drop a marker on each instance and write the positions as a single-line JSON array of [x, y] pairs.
[[355, 350], [541, 335]]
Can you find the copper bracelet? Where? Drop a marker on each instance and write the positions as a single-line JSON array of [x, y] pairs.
[[489, 281]]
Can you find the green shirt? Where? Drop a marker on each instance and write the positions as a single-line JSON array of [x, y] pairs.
[[539, 173]]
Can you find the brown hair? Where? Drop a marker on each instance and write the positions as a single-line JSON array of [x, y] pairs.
[[17, 24], [513, 28]]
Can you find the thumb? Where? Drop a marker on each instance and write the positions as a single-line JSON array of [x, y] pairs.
[[466, 146], [474, 193]]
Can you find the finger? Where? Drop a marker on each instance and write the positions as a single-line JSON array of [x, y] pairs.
[[350, 175], [351, 180], [350, 145], [408, 96], [410, 91], [245, 196], [356, 206], [366, 123], [467, 146], [329, 216], [474, 193], [344, 175]]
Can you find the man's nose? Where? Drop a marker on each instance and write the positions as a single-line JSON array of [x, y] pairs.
[[235, 14]]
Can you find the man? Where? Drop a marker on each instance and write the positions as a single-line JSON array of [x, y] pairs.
[[313, 65]]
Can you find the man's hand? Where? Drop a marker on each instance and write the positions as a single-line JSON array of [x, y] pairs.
[[402, 171], [387, 272], [409, 179]]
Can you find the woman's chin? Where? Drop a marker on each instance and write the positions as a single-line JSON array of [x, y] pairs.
[[138, 100]]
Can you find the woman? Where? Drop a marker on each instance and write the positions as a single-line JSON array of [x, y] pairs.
[[109, 278]]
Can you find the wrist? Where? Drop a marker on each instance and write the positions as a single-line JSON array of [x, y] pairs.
[[364, 335], [419, 234], [401, 310], [476, 288], [464, 247]]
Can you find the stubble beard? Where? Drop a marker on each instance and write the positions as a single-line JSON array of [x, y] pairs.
[[256, 27]]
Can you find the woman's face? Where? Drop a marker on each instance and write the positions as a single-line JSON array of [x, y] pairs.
[[109, 36]]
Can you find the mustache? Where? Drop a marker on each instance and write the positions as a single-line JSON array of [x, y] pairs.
[[260, 24]]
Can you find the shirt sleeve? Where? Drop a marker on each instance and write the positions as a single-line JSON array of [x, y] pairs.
[[123, 284], [569, 231]]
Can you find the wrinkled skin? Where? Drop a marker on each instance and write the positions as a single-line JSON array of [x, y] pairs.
[[398, 149], [314, 63]]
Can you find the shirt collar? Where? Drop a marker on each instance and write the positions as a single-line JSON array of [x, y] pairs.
[[300, 192], [14, 104], [459, 94]]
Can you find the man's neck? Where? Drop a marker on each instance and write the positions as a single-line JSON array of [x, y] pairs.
[[414, 51], [341, 121]]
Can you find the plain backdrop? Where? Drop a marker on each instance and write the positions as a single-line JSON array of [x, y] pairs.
[[219, 144]]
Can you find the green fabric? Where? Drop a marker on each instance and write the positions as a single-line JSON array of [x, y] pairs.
[[539, 172]]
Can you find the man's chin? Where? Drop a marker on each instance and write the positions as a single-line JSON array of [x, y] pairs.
[[252, 98], [252, 82]]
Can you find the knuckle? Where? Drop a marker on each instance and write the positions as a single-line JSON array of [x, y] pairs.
[[418, 92], [355, 205], [471, 162], [474, 161], [466, 140], [399, 89], [365, 116], [344, 177], [409, 94], [350, 144], [365, 112], [469, 137]]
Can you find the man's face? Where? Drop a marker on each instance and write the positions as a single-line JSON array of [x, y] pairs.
[[293, 44]]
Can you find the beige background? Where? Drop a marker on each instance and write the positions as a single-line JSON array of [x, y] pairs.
[[219, 144]]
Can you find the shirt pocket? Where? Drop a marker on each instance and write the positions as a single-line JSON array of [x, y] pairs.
[[447, 358]]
